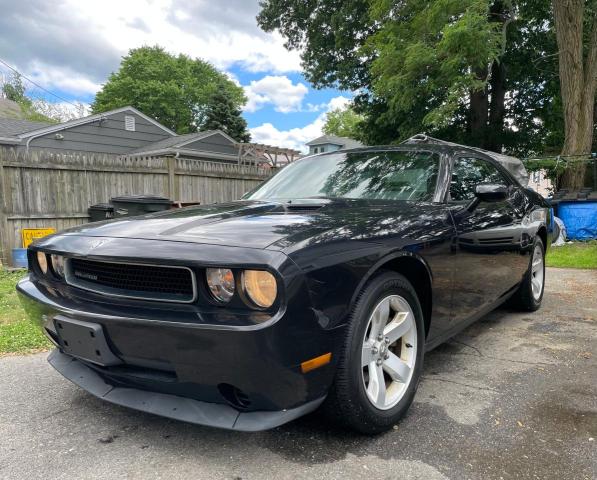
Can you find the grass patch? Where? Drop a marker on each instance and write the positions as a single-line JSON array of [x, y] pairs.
[[573, 255], [17, 333]]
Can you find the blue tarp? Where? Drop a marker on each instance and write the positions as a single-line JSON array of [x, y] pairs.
[[580, 219]]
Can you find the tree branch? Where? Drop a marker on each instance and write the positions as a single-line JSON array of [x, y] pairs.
[[507, 21]]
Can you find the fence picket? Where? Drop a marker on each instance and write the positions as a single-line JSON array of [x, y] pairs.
[[40, 189]]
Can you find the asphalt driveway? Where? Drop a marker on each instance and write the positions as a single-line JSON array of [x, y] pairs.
[[513, 396]]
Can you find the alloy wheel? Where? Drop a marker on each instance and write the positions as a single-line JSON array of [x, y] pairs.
[[537, 272], [389, 352]]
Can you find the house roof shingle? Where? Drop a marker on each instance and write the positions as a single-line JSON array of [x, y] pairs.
[[49, 128], [173, 142], [10, 127]]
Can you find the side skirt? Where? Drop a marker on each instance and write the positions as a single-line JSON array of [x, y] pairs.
[[430, 345]]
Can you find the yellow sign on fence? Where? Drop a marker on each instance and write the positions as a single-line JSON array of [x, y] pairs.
[[32, 234]]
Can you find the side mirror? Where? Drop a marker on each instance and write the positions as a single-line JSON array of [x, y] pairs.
[[484, 192], [491, 192]]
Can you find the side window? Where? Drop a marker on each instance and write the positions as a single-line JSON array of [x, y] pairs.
[[467, 173]]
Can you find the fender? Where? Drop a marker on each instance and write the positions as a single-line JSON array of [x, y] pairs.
[[382, 261]]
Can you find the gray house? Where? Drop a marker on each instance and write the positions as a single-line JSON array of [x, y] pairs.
[[331, 143], [211, 144], [124, 131]]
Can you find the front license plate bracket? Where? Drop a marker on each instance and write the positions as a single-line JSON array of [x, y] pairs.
[[84, 340]]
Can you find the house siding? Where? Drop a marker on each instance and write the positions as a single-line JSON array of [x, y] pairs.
[[109, 136], [325, 147], [214, 143]]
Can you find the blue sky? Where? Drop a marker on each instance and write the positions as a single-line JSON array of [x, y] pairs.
[[297, 118], [69, 47]]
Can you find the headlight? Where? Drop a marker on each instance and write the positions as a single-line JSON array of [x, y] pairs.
[[539, 215], [58, 265], [260, 286], [221, 283], [42, 262]]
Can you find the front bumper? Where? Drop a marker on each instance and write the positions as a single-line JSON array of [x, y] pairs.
[[172, 406], [177, 370]]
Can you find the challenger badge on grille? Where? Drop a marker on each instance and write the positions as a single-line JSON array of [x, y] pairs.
[[88, 276]]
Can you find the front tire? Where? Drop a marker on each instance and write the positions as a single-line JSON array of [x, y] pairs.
[[382, 357], [529, 295]]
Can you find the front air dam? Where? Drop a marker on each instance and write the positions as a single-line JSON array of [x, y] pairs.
[[172, 406]]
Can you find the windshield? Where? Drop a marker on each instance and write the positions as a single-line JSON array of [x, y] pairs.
[[393, 175]]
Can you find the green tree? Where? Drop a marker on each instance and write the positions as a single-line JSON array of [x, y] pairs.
[[14, 89], [221, 113], [329, 34], [343, 122], [441, 55], [480, 72], [174, 90]]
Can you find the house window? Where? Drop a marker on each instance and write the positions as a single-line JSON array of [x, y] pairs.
[[129, 123]]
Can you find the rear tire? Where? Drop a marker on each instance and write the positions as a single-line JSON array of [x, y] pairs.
[[556, 232], [382, 357], [529, 295]]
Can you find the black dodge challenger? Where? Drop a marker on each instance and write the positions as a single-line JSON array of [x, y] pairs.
[[324, 287]]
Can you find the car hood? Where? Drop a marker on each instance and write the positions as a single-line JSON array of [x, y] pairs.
[[253, 224]]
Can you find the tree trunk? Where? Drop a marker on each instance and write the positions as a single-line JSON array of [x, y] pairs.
[[578, 79], [499, 11], [494, 139], [479, 112]]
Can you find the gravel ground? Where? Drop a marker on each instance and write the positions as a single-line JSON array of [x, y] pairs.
[[513, 396]]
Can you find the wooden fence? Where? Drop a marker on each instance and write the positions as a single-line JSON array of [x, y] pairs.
[[43, 189]]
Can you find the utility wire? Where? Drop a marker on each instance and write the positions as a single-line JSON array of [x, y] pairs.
[[563, 156], [587, 156], [37, 85]]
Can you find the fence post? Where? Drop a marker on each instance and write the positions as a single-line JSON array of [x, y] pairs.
[[173, 190], [4, 253]]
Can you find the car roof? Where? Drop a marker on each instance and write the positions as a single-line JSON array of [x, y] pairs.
[[512, 165], [402, 147]]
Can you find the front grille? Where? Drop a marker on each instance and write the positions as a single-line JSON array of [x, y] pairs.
[[149, 282], [496, 240]]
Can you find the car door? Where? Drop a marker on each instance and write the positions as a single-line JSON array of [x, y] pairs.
[[487, 248]]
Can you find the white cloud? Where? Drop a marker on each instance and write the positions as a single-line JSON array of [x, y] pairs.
[[276, 90], [296, 137], [80, 43], [315, 107], [233, 78], [338, 103], [293, 138], [73, 46], [64, 79]]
